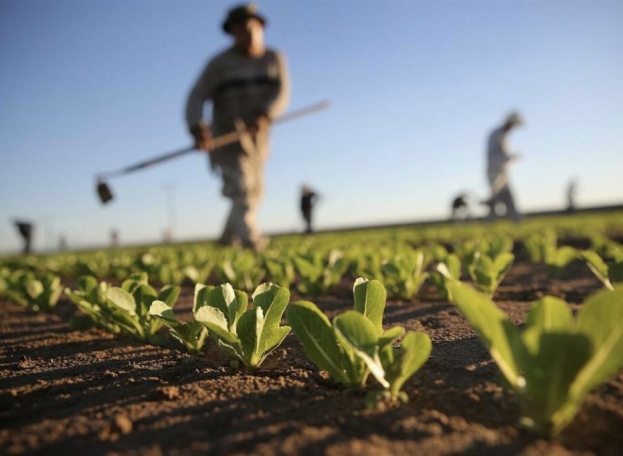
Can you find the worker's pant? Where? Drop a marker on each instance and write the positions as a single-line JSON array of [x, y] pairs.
[[243, 183], [307, 216], [505, 197]]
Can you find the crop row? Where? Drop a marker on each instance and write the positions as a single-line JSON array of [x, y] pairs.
[[551, 363]]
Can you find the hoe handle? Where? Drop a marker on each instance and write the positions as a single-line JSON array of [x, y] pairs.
[[219, 141]]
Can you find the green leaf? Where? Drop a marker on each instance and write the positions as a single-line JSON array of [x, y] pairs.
[[554, 360], [496, 332], [200, 296], [596, 264], [250, 328], [162, 311], [370, 299], [213, 319], [358, 333], [34, 288], [601, 320], [273, 300], [232, 303], [550, 314], [502, 264], [415, 350], [390, 336], [122, 299], [453, 263], [316, 334], [274, 338], [169, 295], [357, 329]]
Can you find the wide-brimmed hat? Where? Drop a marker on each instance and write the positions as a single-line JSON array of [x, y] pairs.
[[242, 13], [514, 118]]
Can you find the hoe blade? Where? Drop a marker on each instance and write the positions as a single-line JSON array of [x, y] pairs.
[[104, 192]]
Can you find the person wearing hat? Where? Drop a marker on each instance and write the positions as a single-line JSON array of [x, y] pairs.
[[25, 230], [248, 86], [308, 201], [498, 161]]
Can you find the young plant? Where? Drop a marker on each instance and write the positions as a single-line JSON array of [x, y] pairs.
[[38, 292], [191, 334], [90, 298], [317, 275], [451, 267], [558, 258], [608, 273], [405, 274], [355, 345], [487, 273], [538, 244], [199, 273], [247, 336], [280, 271], [557, 359], [242, 270], [125, 307]]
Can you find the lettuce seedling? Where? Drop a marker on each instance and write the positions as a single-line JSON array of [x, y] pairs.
[[38, 292], [487, 273], [451, 267], [90, 298], [355, 345], [317, 275], [558, 258], [125, 307], [405, 274], [280, 271], [245, 335], [609, 273], [241, 269], [200, 273], [557, 359], [191, 334], [538, 244]]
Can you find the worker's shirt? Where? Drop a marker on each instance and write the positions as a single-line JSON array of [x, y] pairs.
[[498, 156], [239, 87], [307, 201]]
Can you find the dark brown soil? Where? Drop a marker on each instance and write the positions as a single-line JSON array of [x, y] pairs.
[[71, 392]]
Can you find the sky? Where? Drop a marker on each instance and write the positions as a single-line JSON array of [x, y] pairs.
[[415, 88]]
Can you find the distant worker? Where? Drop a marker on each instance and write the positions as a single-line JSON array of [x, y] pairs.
[[114, 238], [248, 85], [498, 161], [308, 201], [62, 243], [572, 189], [25, 230], [460, 207]]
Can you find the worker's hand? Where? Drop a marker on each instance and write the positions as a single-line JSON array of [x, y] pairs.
[[203, 138], [260, 123]]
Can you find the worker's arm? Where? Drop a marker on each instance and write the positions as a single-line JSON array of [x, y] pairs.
[[200, 93], [278, 103]]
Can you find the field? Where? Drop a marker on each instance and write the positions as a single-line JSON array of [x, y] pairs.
[[90, 391]]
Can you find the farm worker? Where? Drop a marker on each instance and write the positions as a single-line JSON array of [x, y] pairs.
[[248, 86], [498, 161], [308, 200], [572, 188], [25, 230]]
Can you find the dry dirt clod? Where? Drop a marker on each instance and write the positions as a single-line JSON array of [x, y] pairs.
[[164, 393], [120, 425]]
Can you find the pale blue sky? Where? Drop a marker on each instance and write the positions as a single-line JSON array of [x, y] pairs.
[[91, 86]]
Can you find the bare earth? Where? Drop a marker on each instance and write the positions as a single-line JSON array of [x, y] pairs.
[[71, 392]]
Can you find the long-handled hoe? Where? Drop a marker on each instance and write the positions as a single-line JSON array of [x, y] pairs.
[[106, 195]]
